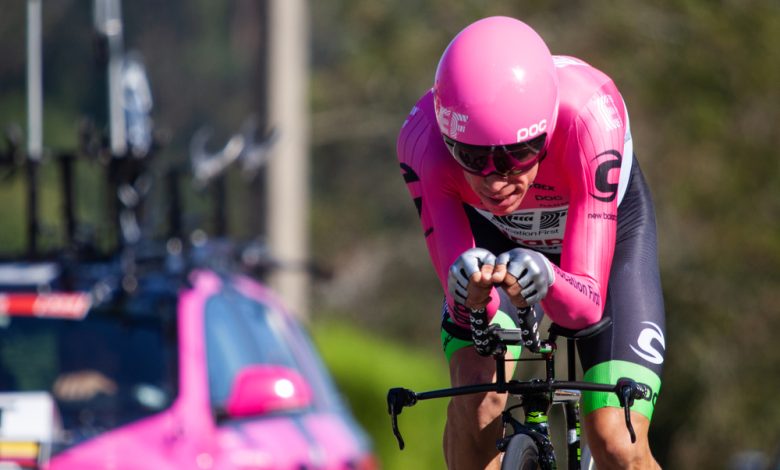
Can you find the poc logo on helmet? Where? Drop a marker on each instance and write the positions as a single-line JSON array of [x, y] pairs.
[[533, 130]]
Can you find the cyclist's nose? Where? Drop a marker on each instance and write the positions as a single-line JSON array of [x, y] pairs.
[[496, 182]]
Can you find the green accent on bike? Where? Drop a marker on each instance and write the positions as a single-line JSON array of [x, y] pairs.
[[536, 417], [450, 344], [609, 372]]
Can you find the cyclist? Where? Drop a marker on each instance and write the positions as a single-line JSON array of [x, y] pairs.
[[522, 169]]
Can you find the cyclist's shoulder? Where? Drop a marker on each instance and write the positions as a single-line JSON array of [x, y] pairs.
[[419, 141], [579, 82], [575, 73], [421, 114], [587, 97]]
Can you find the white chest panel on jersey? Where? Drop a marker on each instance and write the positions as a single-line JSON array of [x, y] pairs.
[[541, 229]]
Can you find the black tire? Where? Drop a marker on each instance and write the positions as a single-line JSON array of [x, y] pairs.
[[521, 454]]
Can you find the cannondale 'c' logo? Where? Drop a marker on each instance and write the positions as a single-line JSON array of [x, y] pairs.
[[646, 349], [606, 191]]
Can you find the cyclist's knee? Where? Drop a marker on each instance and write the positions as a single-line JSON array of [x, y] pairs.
[[610, 442], [476, 411], [616, 453]]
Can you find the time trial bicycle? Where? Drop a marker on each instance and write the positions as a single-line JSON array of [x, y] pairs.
[[527, 443]]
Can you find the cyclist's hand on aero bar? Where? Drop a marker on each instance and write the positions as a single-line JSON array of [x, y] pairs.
[[470, 281], [471, 278], [528, 275]]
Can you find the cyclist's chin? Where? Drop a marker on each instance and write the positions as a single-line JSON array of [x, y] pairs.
[[502, 206]]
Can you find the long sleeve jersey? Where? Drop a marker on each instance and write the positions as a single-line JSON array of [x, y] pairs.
[[570, 211]]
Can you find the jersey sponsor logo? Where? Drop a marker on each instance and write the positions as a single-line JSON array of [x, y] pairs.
[[533, 130], [540, 197], [547, 200], [551, 219], [645, 347], [522, 221], [581, 287], [607, 191], [550, 245], [541, 229], [602, 216], [607, 112], [451, 122]]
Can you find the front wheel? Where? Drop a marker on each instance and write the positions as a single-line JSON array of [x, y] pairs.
[[521, 454], [587, 459]]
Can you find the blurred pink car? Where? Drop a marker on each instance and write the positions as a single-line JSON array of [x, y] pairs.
[[212, 375]]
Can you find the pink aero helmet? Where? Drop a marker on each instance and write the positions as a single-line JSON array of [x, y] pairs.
[[496, 84]]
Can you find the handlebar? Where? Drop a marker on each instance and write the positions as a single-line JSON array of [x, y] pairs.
[[627, 390]]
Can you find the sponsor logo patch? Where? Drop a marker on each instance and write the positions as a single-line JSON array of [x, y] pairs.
[[541, 229], [533, 130], [607, 112], [644, 344], [606, 190], [451, 122]]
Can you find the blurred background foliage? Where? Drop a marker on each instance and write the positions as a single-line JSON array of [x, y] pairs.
[[700, 78]]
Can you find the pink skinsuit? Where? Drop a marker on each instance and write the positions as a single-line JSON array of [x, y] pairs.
[[570, 211]]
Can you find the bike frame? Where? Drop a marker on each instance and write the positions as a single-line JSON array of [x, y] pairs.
[[538, 395]]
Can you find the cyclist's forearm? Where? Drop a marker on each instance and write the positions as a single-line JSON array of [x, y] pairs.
[[460, 313], [573, 301]]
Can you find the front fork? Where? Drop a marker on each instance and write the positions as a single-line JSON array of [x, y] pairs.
[[537, 427], [571, 410]]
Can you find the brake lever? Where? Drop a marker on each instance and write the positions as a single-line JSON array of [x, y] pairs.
[[627, 391], [627, 400], [397, 399]]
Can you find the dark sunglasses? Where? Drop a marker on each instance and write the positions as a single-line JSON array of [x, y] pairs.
[[484, 160]]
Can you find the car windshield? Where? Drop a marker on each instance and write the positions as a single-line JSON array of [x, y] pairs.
[[104, 371], [241, 331]]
